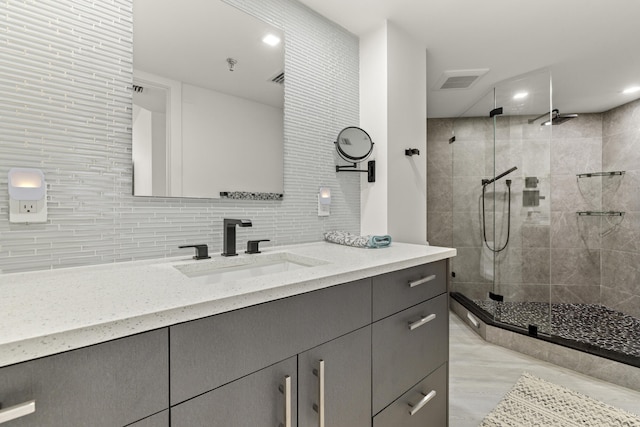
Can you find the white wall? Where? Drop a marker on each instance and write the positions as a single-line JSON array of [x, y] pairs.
[[393, 75], [373, 119], [246, 132]]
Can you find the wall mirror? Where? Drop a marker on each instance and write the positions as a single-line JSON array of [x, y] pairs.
[[208, 101]]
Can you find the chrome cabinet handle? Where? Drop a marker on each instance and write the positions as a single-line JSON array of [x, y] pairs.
[[427, 397], [319, 408], [286, 390], [422, 281], [17, 411], [423, 320]]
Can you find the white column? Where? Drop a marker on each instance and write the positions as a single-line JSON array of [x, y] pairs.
[[393, 109]]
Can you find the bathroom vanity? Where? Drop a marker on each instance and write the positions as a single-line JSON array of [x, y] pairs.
[[354, 338]]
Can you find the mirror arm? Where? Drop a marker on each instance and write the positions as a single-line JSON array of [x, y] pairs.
[[371, 170]]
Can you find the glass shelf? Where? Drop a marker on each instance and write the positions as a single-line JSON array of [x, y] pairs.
[[597, 213], [590, 174]]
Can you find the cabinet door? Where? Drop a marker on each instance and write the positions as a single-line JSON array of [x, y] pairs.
[[340, 389], [266, 398], [109, 384]]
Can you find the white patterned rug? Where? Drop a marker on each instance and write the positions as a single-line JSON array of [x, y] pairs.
[[535, 402]]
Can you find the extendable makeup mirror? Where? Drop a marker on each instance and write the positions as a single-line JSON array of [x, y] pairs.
[[354, 145]]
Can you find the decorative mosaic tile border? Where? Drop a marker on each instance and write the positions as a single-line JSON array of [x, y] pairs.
[[245, 195]]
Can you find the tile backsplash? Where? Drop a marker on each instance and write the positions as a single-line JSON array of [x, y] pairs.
[[65, 78]]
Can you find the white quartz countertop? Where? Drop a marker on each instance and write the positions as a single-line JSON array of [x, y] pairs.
[[47, 312]]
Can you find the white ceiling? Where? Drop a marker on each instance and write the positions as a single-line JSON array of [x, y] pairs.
[[592, 47]]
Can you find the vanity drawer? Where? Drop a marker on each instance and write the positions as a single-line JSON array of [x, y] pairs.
[[109, 384], [210, 352], [401, 355], [393, 292], [259, 399], [427, 400]]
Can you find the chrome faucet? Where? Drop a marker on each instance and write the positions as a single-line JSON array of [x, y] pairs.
[[229, 239]]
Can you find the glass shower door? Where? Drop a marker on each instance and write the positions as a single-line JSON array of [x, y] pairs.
[[523, 203], [501, 203], [472, 152]]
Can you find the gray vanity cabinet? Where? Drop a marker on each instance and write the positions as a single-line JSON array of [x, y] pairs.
[[111, 384], [265, 398], [335, 382], [370, 351]]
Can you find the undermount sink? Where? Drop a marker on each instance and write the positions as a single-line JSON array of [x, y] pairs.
[[222, 270]]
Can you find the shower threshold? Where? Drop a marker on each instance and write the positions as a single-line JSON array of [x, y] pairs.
[[588, 328]]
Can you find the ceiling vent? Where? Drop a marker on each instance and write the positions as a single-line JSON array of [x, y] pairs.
[[459, 79], [278, 78]]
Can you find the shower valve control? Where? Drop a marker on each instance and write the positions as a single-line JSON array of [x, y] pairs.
[[531, 181]]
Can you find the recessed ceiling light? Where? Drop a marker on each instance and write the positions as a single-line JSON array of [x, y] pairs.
[[271, 40], [520, 95], [633, 89]]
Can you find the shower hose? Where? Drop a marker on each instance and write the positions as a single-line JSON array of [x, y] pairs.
[[484, 227]]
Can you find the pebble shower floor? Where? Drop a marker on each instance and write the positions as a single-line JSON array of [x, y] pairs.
[[586, 323]]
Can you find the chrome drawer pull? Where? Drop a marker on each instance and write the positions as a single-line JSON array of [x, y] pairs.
[[286, 390], [17, 411], [423, 321], [422, 281], [319, 408], [414, 409]]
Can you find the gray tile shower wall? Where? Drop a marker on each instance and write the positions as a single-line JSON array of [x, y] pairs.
[[65, 78], [576, 147], [621, 236]]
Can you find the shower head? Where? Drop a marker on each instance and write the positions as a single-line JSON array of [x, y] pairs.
[[556, 118], [559, 119]]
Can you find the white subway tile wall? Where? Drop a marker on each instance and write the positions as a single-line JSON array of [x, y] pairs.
[[65, 79]]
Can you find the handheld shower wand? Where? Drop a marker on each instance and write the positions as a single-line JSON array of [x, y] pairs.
[[486, 182], [489, 181]]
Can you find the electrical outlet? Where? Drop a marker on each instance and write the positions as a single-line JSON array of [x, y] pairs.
[[28, 206]]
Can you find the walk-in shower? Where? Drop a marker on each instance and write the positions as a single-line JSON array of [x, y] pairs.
[[545, 219]]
